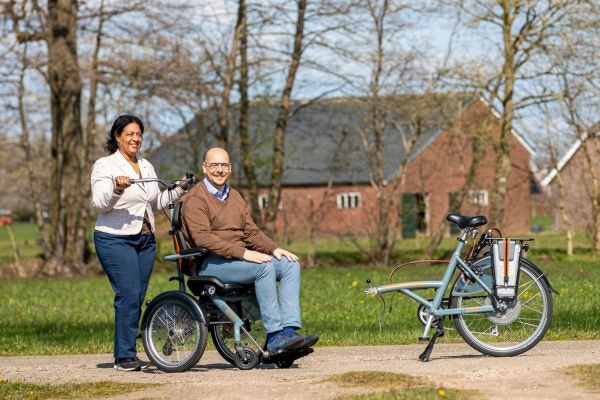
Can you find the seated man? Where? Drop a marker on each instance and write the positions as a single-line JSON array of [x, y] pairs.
[[215, 216]]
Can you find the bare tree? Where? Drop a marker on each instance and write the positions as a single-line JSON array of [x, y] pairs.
[[282, 118], [58, 29], [522, 30]]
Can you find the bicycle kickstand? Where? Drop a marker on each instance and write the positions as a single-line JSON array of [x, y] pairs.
[[439, 331]]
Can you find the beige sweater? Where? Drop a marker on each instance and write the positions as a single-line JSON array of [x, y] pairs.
[[224, 228]]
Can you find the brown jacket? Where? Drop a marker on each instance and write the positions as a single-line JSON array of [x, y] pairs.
[[224, 228]]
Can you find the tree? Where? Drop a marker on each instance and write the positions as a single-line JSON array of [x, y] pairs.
[[520, 30], [58, 29], [282, 118]]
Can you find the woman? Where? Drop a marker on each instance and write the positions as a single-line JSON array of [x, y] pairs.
[[124, 231]]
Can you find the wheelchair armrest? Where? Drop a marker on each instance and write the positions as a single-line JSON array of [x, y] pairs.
[[193, 250]]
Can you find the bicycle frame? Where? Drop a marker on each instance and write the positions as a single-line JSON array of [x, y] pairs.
[[440, 286]]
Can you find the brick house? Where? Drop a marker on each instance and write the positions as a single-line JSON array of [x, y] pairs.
[[323, 144], [575, 171]]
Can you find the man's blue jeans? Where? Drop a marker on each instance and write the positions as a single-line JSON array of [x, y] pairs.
[[128, 262], [278, 310]]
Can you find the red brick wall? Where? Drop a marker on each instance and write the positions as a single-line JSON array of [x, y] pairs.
[[437, 171], [577, 180]]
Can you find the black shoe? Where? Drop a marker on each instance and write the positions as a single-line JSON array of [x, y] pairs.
[[127, 364], [143, 364]]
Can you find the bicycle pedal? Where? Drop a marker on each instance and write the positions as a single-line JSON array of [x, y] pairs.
[[424, 338]]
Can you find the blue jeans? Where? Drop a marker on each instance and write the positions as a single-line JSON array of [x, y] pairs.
[[128, 262], [278, 308]]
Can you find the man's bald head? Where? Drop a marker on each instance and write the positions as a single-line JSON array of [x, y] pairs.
[[216, 154]]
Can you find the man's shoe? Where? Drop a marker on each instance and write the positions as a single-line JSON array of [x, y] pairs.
[[283, 341], [127, 364], [307, 341]]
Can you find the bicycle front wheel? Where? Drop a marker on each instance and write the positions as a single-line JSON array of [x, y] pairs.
[[515, 330]]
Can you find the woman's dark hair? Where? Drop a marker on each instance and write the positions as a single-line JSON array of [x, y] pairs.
[[120, 123]]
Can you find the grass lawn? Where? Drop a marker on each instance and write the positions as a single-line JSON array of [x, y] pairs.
[[60, 316]]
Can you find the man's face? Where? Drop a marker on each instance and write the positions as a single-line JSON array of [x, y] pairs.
[[217, 168]]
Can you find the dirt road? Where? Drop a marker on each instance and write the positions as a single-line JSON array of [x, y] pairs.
[[537, 374]]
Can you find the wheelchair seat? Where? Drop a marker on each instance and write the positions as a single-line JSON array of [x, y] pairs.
[[199, 283]]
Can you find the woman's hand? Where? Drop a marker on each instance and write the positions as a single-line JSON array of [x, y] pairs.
[[121, 183]]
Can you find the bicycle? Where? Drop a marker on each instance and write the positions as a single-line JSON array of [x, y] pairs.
[[500, 302], [175, 324]]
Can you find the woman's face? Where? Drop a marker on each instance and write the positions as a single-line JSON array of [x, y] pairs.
[[130, 140]]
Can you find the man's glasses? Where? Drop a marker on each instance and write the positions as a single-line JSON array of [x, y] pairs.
[[215, 166]]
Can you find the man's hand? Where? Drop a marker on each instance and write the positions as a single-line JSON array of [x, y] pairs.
[[278, 252], [256, 257]]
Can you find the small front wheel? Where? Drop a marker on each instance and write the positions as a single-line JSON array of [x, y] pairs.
[[515, 330], [174, 334], [248, 362]]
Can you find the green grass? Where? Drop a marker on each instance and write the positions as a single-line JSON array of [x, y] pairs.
[[397, 386], [26, 236], [587, 375], [13, 390], [71, 316], [60, 316]]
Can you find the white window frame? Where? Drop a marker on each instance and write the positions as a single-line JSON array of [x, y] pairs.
[[263, 201], [479, 197], [348, 200]]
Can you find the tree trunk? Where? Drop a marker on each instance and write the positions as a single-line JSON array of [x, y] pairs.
[[68, 195], [278, 137], [246, 150], [503, 148], [29, 163]]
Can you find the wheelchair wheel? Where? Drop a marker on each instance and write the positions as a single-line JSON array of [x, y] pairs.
[[249, 362], [174, 332], [222, 333], [513, 331]]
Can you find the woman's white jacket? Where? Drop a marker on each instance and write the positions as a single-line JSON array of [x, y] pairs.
[[124, 214]]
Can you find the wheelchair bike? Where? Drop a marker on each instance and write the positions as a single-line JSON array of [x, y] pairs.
[[175, 324]]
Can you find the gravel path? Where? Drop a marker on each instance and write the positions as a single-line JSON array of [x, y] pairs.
[[537, 374]]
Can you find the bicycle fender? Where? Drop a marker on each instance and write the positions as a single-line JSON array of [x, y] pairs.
[[174, 295], [542, 275]]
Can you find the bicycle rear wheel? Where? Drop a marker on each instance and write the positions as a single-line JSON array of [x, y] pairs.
[[515, 330]]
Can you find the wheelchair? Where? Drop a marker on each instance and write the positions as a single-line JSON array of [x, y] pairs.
[[175, 324]]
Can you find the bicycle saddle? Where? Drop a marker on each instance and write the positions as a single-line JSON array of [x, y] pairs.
[[465, 221]]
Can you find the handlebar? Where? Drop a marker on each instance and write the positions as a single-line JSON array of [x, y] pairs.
[[188, 181]]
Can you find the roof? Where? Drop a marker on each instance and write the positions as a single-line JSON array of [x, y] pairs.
[[323, 138], [548, 179]]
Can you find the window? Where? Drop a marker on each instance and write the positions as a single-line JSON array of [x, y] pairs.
[[263, 200], [348, 200], [478, 197]]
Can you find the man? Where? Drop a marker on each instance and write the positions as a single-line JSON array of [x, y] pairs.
[[215, 216]]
